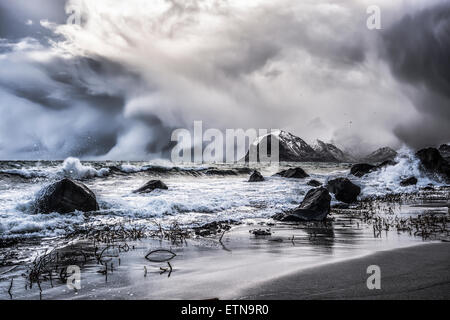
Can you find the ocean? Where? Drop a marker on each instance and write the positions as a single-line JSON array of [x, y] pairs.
[[200, 194]]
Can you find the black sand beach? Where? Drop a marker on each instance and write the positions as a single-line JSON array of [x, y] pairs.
[[418, 272]]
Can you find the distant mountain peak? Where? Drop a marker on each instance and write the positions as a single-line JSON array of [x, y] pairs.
[[380, 155], [295, 149], [330, 151]]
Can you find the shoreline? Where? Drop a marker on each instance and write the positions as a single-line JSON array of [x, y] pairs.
[[204, 270], [419, 271]]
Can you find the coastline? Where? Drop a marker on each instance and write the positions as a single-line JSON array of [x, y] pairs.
[[204, 270], [414, 272]]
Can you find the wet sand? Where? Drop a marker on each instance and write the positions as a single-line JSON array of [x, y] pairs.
[[203, 269], [418, 272]]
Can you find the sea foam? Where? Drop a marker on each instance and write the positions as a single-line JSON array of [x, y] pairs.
[[73, 168]]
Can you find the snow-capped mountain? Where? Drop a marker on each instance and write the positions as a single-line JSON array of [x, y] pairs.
[[380, 155], [295, 149], [331, 152], [291, 148]]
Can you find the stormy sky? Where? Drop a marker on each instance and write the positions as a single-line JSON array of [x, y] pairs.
[[117, 85]]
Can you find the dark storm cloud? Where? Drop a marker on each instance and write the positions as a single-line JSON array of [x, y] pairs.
[[74, 79], [418, 51], [74, 91], [116, 86]]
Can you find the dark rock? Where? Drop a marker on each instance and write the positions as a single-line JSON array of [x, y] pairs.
[[432, 162], [314, 207], [256, 177], [444, 150], [261, 232], [344, 190], [66, 196], [293, 173], [314, 183], [150, 186], [227, 172], [219, 172], [214, 227], [362, 169], [409, 182], [386, 163], [244, 170]]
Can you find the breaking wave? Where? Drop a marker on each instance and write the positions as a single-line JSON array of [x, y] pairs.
[[388, 179], [196, 193], [73, 168]]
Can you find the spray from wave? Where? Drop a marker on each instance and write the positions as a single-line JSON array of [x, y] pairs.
[[73, 168], [388, 179]]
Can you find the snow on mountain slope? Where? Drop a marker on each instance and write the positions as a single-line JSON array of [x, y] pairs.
[[330, 151]]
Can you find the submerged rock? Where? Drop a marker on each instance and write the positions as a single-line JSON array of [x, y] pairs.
[[411, 181], [150, 186], [66, 196], [432, 161], [344, 190], [293, 173], [314, 207], [256, 177], [314, 183]]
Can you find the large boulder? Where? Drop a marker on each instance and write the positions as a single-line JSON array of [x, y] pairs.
[[150, 186], [444, 150], [432, 162], [361, 169], [314, 207], [411, 181], [293, 173], [344, 190], [256, 177], [66, 196]]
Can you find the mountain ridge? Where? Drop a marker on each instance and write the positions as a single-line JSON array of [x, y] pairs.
[[294, 149]]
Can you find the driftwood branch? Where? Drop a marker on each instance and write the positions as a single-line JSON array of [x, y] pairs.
[[147, 256], [10, 288]]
